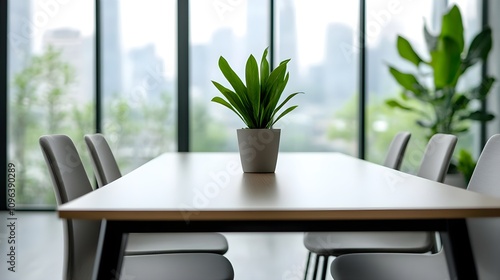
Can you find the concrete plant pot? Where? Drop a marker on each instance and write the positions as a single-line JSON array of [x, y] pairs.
[[258, 149]]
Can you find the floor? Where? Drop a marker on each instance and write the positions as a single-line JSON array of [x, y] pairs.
[[39, 251]]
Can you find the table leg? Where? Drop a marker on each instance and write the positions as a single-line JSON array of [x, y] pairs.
[[458, 251], [110, 251]]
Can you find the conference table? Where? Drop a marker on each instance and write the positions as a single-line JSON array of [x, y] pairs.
[[209, 192]]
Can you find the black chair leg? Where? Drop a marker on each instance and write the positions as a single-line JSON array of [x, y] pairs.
[[307, 265], [325, 266], [316, 262]]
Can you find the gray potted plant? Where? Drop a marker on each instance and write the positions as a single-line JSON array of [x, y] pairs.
[[442, 108], [257, 104]]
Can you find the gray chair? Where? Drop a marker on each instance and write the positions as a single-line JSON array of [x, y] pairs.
[[106, 170], [484, 236], [397, 148], [81, 237], [433, 166], [437, 157], [393, 159]]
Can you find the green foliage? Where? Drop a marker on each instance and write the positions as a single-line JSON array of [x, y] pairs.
[[433, 83], [255, 103], [392, 121], [43, 102], [452, 110], [466, 164], [39, 106], [156, 117], [207, 135], [139, 129]]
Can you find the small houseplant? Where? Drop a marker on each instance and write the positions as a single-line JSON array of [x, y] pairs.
[[257, 104], [433, 83]]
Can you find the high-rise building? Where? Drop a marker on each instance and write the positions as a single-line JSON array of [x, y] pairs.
[[339, 71], [145, 73], [287, 36], [111, 50], [257, 27]]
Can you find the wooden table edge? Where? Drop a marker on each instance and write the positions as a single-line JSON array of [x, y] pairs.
[[285, 215]]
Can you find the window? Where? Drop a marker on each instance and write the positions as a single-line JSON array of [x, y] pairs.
[[320, 38], [50, 76], [386, 20], [138, 79], [234, 30], [471, 16]]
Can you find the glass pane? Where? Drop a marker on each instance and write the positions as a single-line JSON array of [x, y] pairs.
[[471, 16], [138, 79], [234, 30], [384, 122], [320, 37], [50, 62], [385, 21]]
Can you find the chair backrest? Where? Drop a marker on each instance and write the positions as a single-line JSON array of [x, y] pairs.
[[397, 149], [484, 233], [70, 181], [437, 157], [105, 167]]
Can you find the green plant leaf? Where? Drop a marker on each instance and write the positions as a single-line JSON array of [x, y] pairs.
[[281, 85], [235, 102], [407, 81], [255, 103], [452, 27], [479, 116], [238, 86], [446, 63], [253, 85], [460, 130], [283, 103], [393, 103], [406, 51], [421, 93], [404, 96], [481, 91], [479, 48], [450, 111], [264, 69], [283, 114], [223, 102], [274, 98], [232, 77], [461, 102], [275, 82], [276, 75]]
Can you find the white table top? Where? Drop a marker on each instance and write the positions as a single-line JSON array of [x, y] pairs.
[[305, 186]]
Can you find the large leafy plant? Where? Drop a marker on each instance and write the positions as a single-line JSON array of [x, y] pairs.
[[433, 82], [257, 102]]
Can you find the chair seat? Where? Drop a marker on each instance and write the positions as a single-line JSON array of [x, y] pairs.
[[338, 243], [379, 266], [160, 243], [194, 266]]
